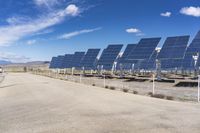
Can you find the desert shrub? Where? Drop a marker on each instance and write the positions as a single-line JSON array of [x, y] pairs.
[[169, 97], [125, 90], [161, 96], [93, 85], [150, 94], [135, 92], [112, 87], [106, 86]]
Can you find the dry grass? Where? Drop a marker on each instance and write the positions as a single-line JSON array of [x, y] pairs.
[[125, 90], [169, 97], [161, 96], [135, 92], [150, 94], [112, 87], [106, 86]]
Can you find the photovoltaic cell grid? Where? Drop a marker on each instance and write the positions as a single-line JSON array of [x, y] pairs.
[[172, 52], [76, 59], [150, 64], [53, 62], [144, 49], [90, 59], [57, 62], [67, 61], [123, 63], [108, 56], [193, 49], [129, 48]]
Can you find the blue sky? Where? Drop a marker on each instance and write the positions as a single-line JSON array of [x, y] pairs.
[[33, 30]]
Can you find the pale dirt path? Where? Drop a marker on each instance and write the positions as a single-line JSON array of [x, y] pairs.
[[36, 104]]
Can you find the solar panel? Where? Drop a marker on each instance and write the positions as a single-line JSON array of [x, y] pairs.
[[56, 62], [144, 49], [59, 61], [76, 59], [172, 52], [90, 59], [194, 48], [108, 56], [150, 64], [67, 60], [126, 64], [53, 62]]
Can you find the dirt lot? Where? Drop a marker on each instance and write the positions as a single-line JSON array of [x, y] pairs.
[[186, 94], [37, 104]]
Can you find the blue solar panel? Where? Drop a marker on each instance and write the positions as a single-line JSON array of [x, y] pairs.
[[53, 62], [67, 61], [90, 59], [172, 52], [150, 64], [193, 49], [56, 62], [126, 64], [59, 61], [109, 55], [76, 59], [144, 49]]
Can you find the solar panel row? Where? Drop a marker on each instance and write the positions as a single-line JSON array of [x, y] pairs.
[[174, 54]]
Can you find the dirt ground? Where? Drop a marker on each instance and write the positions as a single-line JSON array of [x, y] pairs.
[[36, 104]]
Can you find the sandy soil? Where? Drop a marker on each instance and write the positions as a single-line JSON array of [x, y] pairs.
[[36, 104]]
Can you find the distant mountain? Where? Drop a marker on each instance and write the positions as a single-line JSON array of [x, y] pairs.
[[3, 62]]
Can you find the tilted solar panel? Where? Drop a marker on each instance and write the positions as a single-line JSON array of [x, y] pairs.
[[144, 49], [57, 62], [123, 62], [76, 59], [193, 49], [108, 56], [129, 48], [53, 62], [67, 61], [150, 64], [172, 52], [90, 58]]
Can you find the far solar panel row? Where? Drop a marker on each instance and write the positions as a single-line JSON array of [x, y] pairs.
[[77, 60]]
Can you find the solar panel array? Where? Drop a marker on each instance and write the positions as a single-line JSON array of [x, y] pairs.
[[150, 64], [67, 61], [172, 52], [76, 59], [53, 62], [123, 62], [194, 48], [108, 56], [90, 58]]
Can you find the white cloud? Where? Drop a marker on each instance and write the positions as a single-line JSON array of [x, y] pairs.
[[191, 11], [31, 42], [13, 32], [76, 33], [7, 56], [47, 3], [47, 31], [72, 10], [166, 14], [133, 30]]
